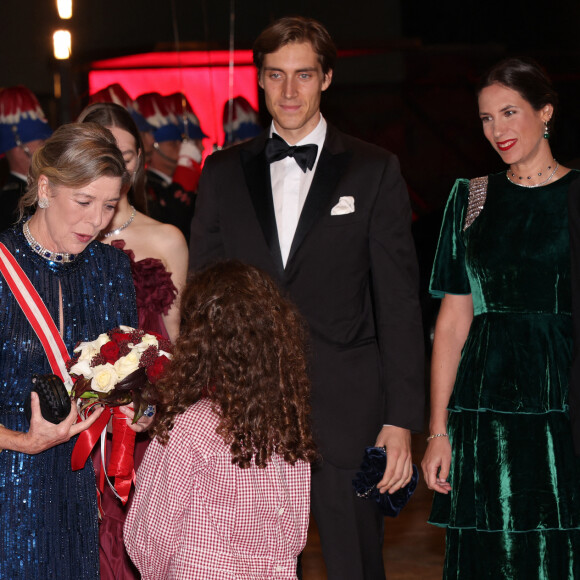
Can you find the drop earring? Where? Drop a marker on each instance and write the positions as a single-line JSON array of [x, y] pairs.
[[546, 131]]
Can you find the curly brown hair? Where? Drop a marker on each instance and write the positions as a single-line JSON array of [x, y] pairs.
[[242, 345]]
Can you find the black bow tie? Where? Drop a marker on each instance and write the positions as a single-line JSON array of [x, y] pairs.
[[277, 149]]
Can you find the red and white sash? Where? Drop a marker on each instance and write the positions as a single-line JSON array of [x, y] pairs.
[[37, 314]]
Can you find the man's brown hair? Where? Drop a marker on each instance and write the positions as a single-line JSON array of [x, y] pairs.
[[296, 29]]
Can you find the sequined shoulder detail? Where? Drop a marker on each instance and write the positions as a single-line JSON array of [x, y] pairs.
[[477, 193]]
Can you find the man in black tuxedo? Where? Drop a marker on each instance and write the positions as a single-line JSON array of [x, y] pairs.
[[328, 217]]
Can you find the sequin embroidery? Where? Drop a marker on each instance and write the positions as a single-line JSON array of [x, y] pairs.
[[48, 513], [477, 195]]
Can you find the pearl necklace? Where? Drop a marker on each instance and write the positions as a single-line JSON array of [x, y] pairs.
[[59, 257], [529, 177], [123, 226]]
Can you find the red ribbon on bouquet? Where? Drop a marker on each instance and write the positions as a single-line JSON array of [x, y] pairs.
[[121, 461], [88, 439]]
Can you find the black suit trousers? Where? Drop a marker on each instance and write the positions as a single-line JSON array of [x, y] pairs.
[[351, 536]]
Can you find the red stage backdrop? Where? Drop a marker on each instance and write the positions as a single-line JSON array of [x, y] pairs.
[[204, 78]]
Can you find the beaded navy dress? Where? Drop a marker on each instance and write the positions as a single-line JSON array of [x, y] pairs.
[[48, 513]]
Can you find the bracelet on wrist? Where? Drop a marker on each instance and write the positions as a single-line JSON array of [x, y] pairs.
[[435, 435]]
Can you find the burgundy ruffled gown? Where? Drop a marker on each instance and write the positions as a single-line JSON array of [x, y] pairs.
[[155, 294]]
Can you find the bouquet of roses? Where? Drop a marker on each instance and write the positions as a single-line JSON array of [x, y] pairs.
[[121, 366]]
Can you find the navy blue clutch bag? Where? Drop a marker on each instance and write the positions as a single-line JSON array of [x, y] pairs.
[[371, 472]]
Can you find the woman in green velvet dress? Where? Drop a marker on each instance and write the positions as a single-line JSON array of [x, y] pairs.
[[500, 454]]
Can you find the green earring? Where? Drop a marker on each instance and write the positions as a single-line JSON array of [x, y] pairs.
[[546, 131]]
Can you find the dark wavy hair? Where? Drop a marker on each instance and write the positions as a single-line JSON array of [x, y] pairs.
[[296, 29], [528, 78], [241, 345], [113, 115]]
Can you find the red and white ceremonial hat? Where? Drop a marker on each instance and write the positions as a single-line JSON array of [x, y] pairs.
[[187, 120], [115, 93], [154, 108], [240, 121], [21, 118]]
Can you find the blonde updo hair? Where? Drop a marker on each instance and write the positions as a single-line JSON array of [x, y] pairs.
[[75, 155]]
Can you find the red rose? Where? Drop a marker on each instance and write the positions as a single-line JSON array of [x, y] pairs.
[[120, 337], [156, 370], [110, 352]]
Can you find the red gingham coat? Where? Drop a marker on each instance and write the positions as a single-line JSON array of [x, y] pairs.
[[197, 516]]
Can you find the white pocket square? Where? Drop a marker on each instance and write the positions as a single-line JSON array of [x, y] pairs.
[[345, 205]]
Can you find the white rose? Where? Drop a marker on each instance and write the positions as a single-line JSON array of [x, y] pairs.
[[105, 378], [82, 369], [139, 348], [149, 340], [88, 352], [101, 339], [89, 349], [126, 329], [127, 364], [81, 346]]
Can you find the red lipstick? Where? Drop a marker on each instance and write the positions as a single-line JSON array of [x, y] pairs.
[[505, 145]]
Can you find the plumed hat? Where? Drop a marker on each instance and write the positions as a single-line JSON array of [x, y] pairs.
[[243, 123], [21, 118], [156, 112], [186, 118], [115, 93]]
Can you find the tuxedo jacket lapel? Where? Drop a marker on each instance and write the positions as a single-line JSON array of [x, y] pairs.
[[257, 174], [331, 165]]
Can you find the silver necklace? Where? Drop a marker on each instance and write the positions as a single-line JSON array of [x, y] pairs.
[[123, 226], [39, 249], [529, 177]]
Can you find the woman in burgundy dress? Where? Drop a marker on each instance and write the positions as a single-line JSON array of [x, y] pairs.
[[159, 259]]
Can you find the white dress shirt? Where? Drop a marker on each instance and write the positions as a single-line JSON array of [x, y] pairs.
[[290, 186]]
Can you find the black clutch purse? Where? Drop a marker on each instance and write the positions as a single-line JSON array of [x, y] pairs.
[[54, 399], [371, 472]]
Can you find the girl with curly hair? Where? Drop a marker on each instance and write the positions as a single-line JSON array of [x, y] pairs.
[[224, 489]]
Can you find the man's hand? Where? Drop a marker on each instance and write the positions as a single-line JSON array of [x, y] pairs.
[[399, 462]]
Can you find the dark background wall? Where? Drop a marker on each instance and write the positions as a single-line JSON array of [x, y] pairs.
[[414, 94]]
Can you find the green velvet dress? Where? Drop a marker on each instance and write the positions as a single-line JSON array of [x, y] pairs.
[[514, 508]]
